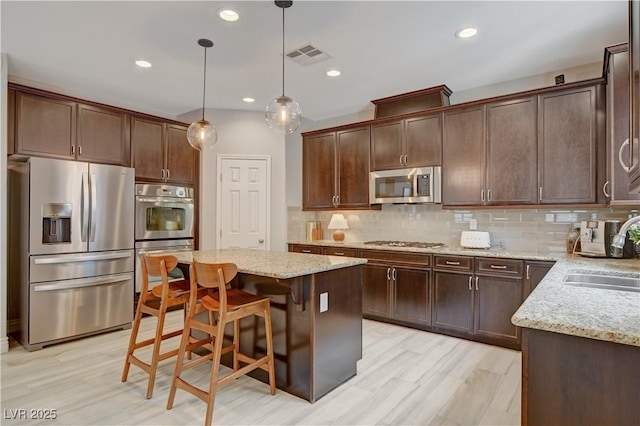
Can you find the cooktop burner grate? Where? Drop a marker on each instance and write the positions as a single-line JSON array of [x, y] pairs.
[[416, 244]]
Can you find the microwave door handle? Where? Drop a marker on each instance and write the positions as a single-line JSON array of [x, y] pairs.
[[415, 185], [84, 207], [94, 209]]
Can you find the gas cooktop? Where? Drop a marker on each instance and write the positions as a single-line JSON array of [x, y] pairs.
[[416, 244]]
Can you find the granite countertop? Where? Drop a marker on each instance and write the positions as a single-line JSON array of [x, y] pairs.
[[594, 313], [272, 264]]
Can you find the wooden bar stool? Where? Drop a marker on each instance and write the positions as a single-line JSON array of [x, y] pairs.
[[167, 295], [231, 306]]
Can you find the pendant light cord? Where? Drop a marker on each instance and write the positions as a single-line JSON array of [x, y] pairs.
[[283, 51], [204, 83]]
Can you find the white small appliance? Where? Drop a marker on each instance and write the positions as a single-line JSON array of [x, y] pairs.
[[475, 239]]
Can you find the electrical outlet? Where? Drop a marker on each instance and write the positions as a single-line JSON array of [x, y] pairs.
[[473, 224], [324, 302]]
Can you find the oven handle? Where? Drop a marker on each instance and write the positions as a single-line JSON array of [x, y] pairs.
[[166, 200]]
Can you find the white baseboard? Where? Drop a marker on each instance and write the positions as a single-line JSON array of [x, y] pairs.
[[4, 345]]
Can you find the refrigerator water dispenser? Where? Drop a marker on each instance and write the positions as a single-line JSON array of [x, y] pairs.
[[56, 223]]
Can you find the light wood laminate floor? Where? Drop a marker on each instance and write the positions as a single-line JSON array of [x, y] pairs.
[[406, 377]]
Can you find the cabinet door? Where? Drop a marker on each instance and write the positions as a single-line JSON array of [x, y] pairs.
[[463, 161], [618, 129], [387, 146], [45, 126], [634, 79], [319, 171], [496, 300], [567, 146], [423, 141], [452, 301], [376, 290], [411, 295], [181, 156], [512, 172], [534, 273], [353, 168], [147, 139], [103, 136]]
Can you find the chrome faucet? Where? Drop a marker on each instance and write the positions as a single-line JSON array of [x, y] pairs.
[[617, 243]]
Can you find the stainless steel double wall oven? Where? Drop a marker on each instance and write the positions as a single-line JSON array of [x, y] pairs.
[[164, 222]]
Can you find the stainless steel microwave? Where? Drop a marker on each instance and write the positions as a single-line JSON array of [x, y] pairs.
[[405, 186]]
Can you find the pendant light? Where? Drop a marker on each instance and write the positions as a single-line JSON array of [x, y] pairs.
[[283, 114], [201, 133]]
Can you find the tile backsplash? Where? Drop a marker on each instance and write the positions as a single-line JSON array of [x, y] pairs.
[[531, 230]]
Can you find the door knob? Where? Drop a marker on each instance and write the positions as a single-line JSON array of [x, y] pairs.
[[261, 241]]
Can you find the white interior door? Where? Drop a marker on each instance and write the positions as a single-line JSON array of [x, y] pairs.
[[243, 202]]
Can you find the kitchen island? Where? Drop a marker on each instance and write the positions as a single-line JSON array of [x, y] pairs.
[[316, 309], [581, 348]]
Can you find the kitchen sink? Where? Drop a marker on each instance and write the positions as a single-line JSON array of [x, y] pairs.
[[611, 282]]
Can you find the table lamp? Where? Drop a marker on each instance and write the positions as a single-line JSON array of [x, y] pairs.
[[338, 223]]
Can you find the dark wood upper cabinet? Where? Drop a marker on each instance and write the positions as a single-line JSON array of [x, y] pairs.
[[353, 168], [161, 152], [413, 142], [512, 163], [182, 158], [103, 135], [336, 169], [11, 121], [147, 139], [45, 126], [567, 146], [634, 87], [616, 70], [319, 171], [463, 156]]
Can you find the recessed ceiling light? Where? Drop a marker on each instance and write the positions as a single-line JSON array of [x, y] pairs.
[[333, 73], [466, 32], [143, 64], [249, 100], [229, 15]]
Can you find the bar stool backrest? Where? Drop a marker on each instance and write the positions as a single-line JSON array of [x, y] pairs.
[[214, 276]]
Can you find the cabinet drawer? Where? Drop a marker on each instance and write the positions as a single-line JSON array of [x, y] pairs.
[[419, 259], [457, 263], [507, 267], [340, 251], [299, 248]]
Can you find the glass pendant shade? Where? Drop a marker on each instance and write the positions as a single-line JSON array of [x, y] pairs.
[[283, 115], [202, 134]]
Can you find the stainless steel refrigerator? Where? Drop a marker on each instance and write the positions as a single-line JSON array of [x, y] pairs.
[[71, 256]]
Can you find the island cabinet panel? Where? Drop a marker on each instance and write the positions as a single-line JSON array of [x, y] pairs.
[[570, 380], [512, 163], [161, 152], [463, 157], [567, 146], [103, 135], [534, 273], [412, 142], [335, 171], [45, 126], [397, 287]]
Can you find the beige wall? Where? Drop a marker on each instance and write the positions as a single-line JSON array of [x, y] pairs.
[[4, 342]]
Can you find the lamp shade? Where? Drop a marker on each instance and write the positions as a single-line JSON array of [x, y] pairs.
[[338, 221]]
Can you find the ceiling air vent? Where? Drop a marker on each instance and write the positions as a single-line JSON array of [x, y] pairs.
[[307, 55]]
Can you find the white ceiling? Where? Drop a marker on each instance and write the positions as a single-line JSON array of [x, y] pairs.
[[87, 49]]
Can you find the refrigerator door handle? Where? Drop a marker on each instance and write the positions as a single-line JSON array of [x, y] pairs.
[[84, 207], [92, 234], [86, 282], [82, 258]]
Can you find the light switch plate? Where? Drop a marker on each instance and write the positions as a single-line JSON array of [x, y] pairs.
[[324, 302]]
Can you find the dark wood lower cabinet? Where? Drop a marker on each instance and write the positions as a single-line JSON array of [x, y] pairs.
[[569, 380], [452, 301], [410, 295], [496, 300], [534, 273], [375, 291]]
